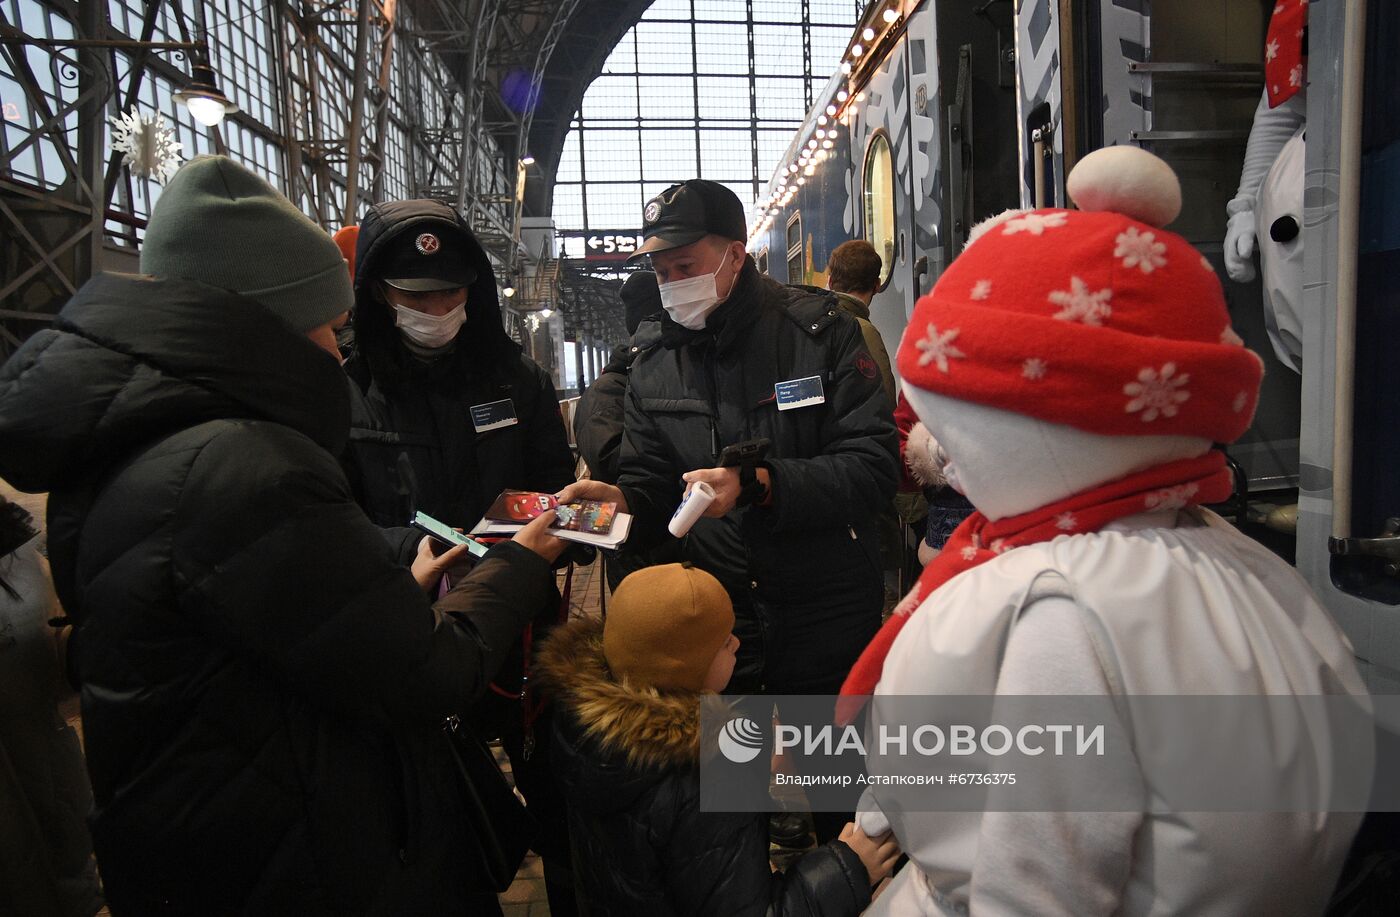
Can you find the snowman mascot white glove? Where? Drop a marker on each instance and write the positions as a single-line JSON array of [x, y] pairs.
[[1273, 127]]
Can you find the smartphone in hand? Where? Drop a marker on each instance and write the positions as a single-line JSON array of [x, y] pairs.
[[445, 537]]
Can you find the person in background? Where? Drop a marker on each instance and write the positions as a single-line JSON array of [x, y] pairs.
[[853, 274], [628, 751], [598, 427], [345, 239], [923, 470], [598, 420], [263, 682], [445, 413], [46, 864]]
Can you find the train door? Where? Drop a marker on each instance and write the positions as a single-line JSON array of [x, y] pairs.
[[1350, 490]]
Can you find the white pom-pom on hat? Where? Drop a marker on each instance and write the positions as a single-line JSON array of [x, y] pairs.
[[1126, 180]]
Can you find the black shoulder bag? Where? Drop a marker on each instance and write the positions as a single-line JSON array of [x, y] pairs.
[[500, 827]]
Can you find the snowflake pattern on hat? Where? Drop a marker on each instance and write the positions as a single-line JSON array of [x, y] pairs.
[[1115, 325], [1079, 305], [938, 348], [1066, 522], [1035, 223], [1158, 392], [969, 553], [1172, 497], [1140, 250]]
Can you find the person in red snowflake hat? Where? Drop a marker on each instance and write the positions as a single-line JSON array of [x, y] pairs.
[[1076, 367]]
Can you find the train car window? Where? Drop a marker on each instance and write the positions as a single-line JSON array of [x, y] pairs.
[[794, 232], [878, 185], [797, 271], [762, 260]]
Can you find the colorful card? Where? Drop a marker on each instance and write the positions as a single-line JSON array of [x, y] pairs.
[[520, 506], [591, 516]]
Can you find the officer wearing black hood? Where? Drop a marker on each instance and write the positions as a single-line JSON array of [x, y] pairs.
[[451, 413], [446, 412]]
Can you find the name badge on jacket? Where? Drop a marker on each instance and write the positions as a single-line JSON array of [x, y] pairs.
[[493, 415], [799, 393]]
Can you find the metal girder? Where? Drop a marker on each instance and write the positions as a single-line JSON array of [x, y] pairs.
[[56, 234], [326, 155]]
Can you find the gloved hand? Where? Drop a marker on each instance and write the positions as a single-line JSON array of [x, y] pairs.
[[1271, 129], [1239, 246]]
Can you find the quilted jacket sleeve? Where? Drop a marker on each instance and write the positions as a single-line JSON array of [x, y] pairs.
[[273, 559]]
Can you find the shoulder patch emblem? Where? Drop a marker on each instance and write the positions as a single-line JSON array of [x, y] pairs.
[[866, 366]]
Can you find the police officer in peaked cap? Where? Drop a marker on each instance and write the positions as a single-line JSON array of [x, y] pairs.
[[736, 359]]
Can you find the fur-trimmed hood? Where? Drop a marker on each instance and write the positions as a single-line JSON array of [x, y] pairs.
[[649, 730]]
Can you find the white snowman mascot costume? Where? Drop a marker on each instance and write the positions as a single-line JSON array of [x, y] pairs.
[[1267, 211], [1076, 367]]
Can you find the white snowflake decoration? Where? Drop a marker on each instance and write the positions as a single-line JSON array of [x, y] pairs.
[[1172, 497], [148, 147], [1140, 250], [1157, 393], [981, 290], [1241, 400], [969, 553], [1271, 50], [938, 348], [1066, 522], [1295, 76], [1079, 305], [1035, 223], [1033, 369], [998, 546]]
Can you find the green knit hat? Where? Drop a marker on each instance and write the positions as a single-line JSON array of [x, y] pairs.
[[218, 223]]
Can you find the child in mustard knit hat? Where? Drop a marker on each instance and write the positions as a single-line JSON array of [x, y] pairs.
[[627, 753]]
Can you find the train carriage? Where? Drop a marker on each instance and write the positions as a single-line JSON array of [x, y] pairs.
[[945, 113]]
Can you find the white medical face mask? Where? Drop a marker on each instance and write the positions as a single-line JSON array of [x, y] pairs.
[[690, 301], [430, 331]]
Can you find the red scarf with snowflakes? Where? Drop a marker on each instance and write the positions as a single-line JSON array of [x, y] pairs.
[[1283, 51], [1188, 482]]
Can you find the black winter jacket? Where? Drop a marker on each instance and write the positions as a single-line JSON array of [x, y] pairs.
[[598, 420], [262, 684], [805, 572], [628, 759], [412, 442]]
